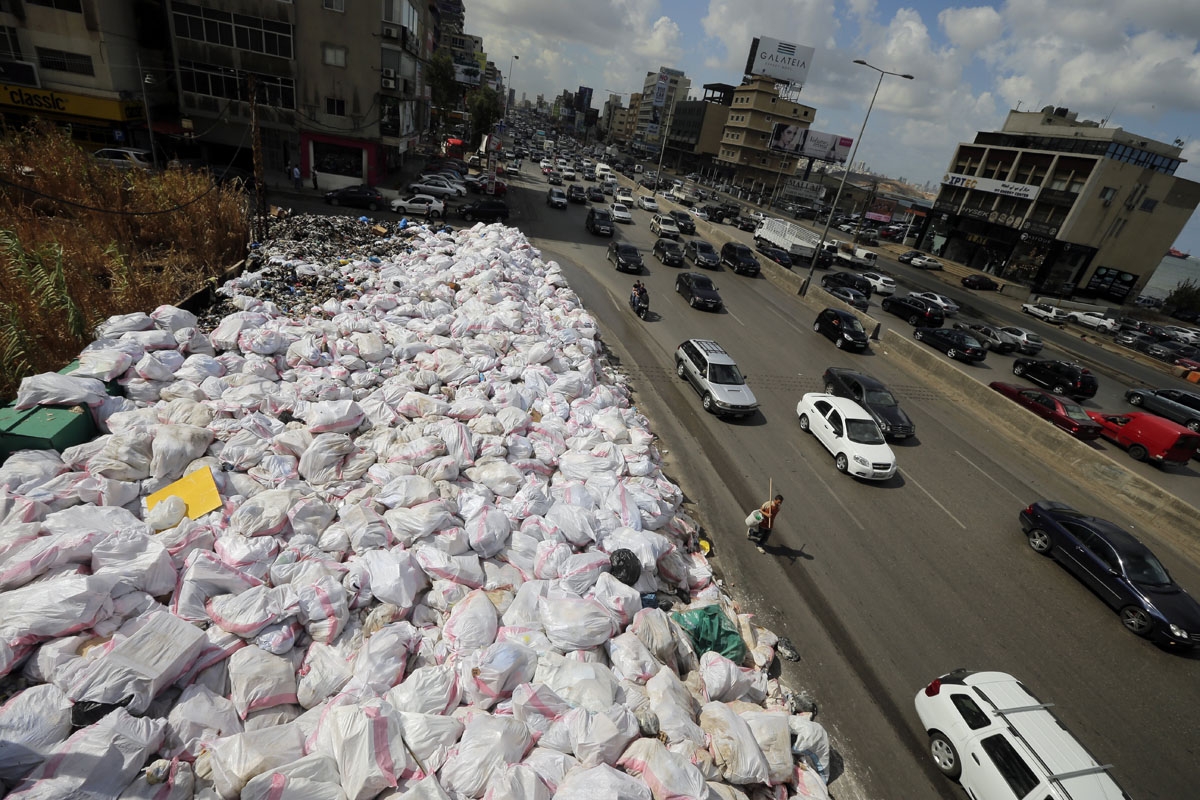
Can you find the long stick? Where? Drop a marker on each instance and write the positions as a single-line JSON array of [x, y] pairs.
[[770, 498]]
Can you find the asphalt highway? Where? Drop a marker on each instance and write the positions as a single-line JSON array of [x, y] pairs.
[[882, 587]]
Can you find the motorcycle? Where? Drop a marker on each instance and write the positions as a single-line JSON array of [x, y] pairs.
[[640, 304]]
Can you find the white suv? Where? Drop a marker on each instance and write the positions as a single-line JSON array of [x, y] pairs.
[[714, 374], [664, 225], [989, 733]]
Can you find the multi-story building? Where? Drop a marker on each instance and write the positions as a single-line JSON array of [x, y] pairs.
[[96, 72], [631, 118], [745, 155], [650, 118], [1063, 205], [697, 127]]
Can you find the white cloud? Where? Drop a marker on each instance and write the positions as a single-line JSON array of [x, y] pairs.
[[971, 28]]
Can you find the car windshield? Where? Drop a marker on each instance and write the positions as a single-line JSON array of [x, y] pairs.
[[851, 323], [1145, 569], [618, 208], [1075, 412], [600, 214], [725, 374], [704, 247], [863, 431], [880, 397], [969, 341], [627, 250], [701, 282], [667, 244]]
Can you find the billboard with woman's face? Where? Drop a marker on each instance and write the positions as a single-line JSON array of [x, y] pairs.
[[800, 141]]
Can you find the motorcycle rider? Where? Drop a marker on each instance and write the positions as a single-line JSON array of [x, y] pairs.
[[640, 297]]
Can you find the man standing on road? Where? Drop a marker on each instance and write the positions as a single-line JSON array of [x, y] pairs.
[[296, 177], [770, 510], [314, 178]]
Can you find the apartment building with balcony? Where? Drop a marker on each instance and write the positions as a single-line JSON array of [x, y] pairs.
[[697, 128], [651, 119], [745, 157], [1063, 205], [84, 65]]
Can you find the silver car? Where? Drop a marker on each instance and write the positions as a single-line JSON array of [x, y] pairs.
[[1028, 342], [714, 374]]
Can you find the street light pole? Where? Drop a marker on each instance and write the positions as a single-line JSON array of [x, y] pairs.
[[508, 84], [147, 80], [812, 268], [663, 151]]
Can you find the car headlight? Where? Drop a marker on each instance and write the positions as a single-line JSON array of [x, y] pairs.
[[884, 425], [861, 460], [847, 336], [1178, 632]]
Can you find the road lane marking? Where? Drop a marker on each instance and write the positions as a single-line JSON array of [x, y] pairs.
[[738, 320], [909, 477], [986, 475], [834, 495]]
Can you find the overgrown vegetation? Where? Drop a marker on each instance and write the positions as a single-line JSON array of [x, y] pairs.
[[1184, 297], [77, 247]]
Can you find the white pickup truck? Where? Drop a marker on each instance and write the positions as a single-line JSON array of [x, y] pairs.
[[1092, 319], [853, 256], [796, 240]]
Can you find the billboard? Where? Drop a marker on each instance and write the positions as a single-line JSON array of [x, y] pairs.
[[881, 210], [467, 73], [800, 141], [782, 61], [660, 89]]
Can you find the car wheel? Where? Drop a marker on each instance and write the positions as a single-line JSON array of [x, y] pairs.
[[1136, 400], [840, 344], [678, 287], [841, 462], [435, 215], [945, 757], [804, 426], [333, 201], [692, 301], [914, 320], [952, 353], [679, 369], [1136, 620], [917, 334], [1137, 452], [817, 327], [372, 206], [1018, 369], [707, 402], [1039, 540], [1193, 425]]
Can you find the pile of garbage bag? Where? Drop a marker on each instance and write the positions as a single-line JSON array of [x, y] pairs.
[[407, 538]]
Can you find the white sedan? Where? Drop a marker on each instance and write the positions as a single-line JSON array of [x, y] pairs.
[[425, 205], [925, 262], [1044, 311], [1091, 319], [948, 306], [698, 213], [647, 202], [880, 284], [620, 213], [849, 433]]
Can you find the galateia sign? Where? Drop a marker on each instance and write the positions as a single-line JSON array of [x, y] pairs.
[[783, 61]]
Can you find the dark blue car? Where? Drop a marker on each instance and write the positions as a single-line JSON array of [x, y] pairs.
[[1118, 568]]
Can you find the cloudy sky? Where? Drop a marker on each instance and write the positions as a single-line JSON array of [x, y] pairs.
[[1135, 63]]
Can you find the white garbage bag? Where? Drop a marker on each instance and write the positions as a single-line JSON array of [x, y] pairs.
[[669, 775], [490, 675], [431, 738], [516, 782], [583, 783], [733, 745], [432, 689], [237, 758], [770, 730], [368, 746], [313, 777], [472, 623], [487, 742], [199, 714], [52, 389], [810, 742], [259, 679], [32, 724]]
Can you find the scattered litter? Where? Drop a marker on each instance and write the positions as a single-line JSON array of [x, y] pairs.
[[381, 522]]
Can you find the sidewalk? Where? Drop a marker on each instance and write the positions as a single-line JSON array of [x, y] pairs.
[[391, 186]]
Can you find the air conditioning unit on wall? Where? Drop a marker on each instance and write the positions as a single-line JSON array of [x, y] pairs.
[[389, 73], [390, 32], [389, 83]]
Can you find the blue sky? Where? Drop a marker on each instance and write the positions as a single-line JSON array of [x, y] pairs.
[[1135, 63]]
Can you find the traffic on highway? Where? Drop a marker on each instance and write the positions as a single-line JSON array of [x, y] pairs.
[[919, 537]]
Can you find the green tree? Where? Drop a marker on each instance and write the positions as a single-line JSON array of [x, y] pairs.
[[484, 106], [1185, 296], [444, 91]]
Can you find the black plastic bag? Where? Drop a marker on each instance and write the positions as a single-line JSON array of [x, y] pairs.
[[625, 566]]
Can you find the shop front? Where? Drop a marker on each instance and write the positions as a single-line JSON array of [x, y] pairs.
[[94, 122], [342, 161]]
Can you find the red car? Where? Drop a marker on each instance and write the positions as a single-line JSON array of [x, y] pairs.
[[1058, 410], [1187, 363]]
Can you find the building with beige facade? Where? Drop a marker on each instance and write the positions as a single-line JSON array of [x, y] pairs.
[[651, 119], [1062, 205], [745, 157]]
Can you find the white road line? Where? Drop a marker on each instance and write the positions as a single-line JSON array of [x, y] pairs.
[[986, 475], [738, 320], [909, 477], [834, 495]]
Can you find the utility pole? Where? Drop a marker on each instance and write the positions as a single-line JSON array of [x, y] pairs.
[[261, 230]]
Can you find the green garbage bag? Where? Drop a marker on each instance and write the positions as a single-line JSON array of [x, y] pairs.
[[710, 629]]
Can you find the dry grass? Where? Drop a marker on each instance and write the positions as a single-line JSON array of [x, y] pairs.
[[73, 253]]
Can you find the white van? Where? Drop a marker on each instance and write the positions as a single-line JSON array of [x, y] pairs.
[[989, 733]]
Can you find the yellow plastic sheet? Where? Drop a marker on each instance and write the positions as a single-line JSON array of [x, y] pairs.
[[197, 489]]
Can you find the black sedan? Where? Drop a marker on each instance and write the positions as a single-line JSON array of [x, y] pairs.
[[907, 257], [361, 196], [485, 208], [595, 194], [746, 223], [1061, 377], [955, 344], [576, 193], [698, 290], [842, 328], [979, 282], [669, 252], [874, 396], [776, 254], [851, 297], [702, 254], [1169, 351], [625, 256], [1118, 568], [685, 222]]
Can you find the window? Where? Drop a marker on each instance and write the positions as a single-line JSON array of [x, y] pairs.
[[203, 24], [335, 107], [1148, 204], [1107, 194], [64, 62], [335, 5], [10, 47], [231, 84], [262, 36], [1010, 765], [59, 5], [333, 55]]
